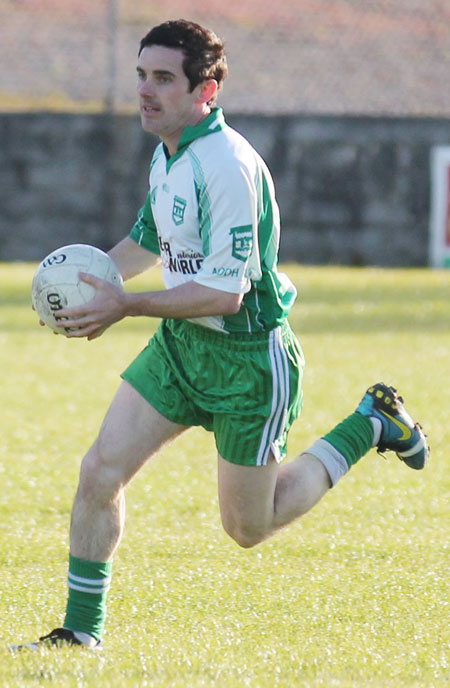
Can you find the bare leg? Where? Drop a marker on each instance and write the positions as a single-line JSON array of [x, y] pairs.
[[255, 501], [132, 431]]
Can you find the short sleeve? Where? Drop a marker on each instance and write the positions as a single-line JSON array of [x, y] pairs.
[[144, 231], [229, 234]]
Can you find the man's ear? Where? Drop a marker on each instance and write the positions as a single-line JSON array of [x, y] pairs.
[[207, 90]]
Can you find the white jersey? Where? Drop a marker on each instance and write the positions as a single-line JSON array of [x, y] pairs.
[[212, 216]]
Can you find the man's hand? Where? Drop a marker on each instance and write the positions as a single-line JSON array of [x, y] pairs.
[[93, 318]]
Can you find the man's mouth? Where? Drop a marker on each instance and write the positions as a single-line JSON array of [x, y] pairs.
[[148, 109]]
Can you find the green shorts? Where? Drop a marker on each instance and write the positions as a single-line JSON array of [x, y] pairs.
[[246, 388]]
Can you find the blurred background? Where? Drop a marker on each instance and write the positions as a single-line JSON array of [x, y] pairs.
[[347, 100]]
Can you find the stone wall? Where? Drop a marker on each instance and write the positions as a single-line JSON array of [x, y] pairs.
[[351, 190]]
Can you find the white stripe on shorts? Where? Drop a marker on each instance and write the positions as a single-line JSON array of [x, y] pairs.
[[275, 423]]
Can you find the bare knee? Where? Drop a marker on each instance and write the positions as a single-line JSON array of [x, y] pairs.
[[245, 535], [100, 477]]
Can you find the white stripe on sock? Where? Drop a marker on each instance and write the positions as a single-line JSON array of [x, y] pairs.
[[90, 581], [377, 428], [92, 590]]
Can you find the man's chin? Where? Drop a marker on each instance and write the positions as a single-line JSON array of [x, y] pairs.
[[147, 125]]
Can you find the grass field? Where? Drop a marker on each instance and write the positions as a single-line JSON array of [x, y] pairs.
[[354, 595]]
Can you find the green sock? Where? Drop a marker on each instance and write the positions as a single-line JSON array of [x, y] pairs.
[[352, 438], [88, 582]]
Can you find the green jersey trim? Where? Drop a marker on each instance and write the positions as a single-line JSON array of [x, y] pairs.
[[258, 303], [210, 125], [204, 203], [144, 231]]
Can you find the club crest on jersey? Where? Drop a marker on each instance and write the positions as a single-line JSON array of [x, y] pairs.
[[179, 206], [242, 242]]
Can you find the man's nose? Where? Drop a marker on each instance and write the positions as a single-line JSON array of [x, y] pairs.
[[145, 87]]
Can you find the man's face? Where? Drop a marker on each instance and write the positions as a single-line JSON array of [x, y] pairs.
[[166, 106]]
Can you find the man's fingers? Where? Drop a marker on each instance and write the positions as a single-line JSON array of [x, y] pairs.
[[90, 279]]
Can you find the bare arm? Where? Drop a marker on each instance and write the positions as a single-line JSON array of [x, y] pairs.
[[111, 304], [132, 259], [190, 300]]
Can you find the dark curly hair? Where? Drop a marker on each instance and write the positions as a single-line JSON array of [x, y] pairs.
[[204, 51]]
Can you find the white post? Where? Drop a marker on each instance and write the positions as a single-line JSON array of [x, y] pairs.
[[440, 207]]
